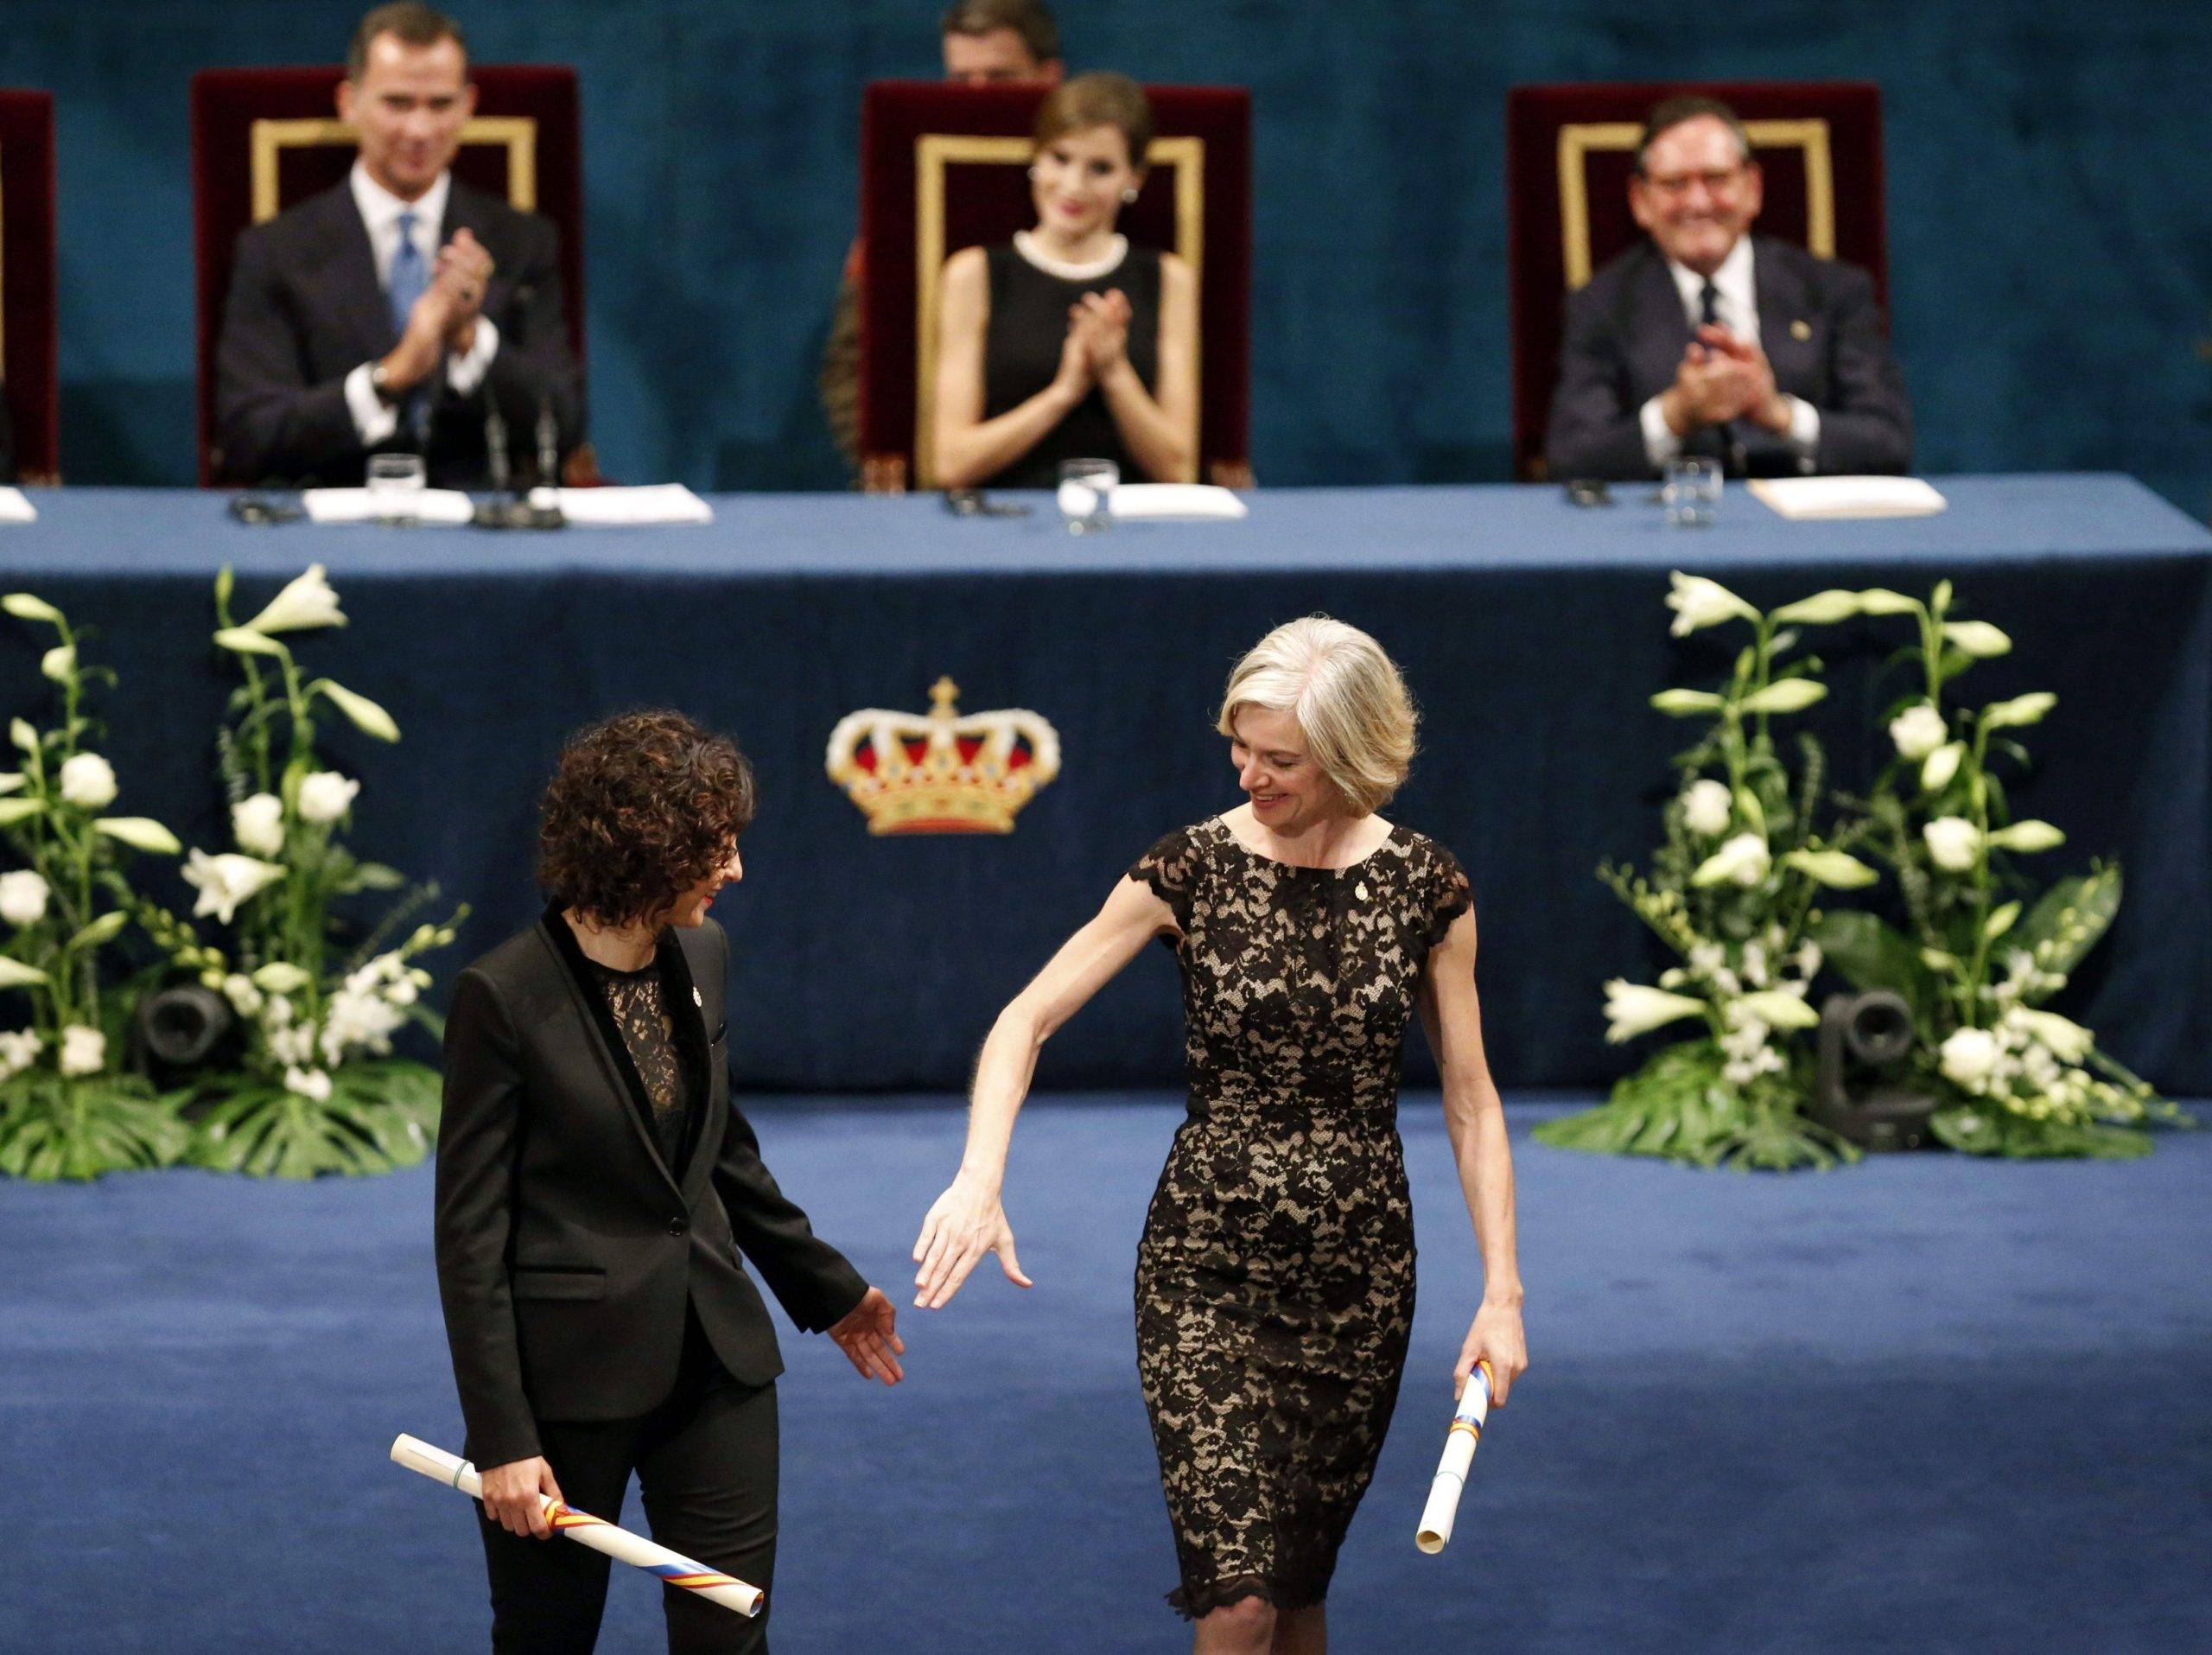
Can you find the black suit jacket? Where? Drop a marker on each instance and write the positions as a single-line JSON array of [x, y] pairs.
[[305, 310], [1819, 325], [567, 1251]]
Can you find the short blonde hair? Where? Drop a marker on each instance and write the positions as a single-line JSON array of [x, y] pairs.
[[1347, 697]]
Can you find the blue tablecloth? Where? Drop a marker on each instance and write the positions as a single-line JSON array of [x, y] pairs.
[[1531, 631]]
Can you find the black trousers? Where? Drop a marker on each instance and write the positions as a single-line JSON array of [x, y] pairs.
[[706, 1465]]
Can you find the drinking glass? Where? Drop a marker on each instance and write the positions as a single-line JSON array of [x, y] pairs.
[[396, 482], [1087, 494], [1691, 493]]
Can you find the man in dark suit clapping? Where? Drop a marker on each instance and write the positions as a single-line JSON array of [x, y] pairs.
[[382, 314], [1707, 340]]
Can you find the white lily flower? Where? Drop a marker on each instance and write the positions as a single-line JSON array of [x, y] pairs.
[[1779, 1008], [245, 640], [306, 602], [19, 1049], [280, 977], [1744, 859], [308, 1083], [14, 974], [23, 897], [2067, 1039], [2029, 708], [257, 824], [325, 796], [1785, 696], [225, 882], [1632, 1008], [1942, 764], [244, 998], [1836, 869], [1918, 731], [88, 781], [2028, 836], [1953, 842], [59, 662], [84, 1051], [367, 717], [1822, 609], [1707, 806], [1977, 637], [24, 607], [1969, 1057], [140, 833], [1698, 602]]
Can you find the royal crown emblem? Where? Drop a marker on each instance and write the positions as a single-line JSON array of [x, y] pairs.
[[943, 772]]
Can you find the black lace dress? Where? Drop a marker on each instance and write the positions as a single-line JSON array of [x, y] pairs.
[[1274, 1287]]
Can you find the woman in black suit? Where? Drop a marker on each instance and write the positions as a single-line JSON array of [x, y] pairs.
[[597, 1191]]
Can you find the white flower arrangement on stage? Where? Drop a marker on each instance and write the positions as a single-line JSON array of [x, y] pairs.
[[1977, 956], [319, 1089], [1733, 892], [68, 1107]]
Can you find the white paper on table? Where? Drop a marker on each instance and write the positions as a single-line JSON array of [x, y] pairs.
[[1143, 502], [15, 507], [440, 506], [1818, 499], [622, 507]]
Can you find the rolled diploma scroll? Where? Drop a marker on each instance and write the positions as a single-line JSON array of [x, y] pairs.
[[1458, 1454], [595, 1532]]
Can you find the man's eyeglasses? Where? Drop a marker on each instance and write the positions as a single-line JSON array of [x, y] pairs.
[[1675, 186]]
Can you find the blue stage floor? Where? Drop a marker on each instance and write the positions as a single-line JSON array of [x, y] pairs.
[[1928, 1403]]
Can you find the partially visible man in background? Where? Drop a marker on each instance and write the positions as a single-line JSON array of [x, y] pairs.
[[370, 316], [1704, 339], [986, 43]]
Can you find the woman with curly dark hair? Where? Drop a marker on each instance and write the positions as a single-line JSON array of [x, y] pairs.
[[598, 1194]]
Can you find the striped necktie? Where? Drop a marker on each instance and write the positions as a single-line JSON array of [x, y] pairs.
[[410, 279]]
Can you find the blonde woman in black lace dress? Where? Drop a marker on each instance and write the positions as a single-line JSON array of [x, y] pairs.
[[1275, 1290]]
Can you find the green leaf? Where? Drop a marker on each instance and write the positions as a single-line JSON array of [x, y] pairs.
[[375, 877], [2071, 917], [226, 583], [1870, 953]]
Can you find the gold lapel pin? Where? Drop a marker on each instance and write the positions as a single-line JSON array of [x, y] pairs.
[[1801, 330]]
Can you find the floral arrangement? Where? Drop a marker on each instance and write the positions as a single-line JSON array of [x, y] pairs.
[[1980, 951], [1732, 892], [317, 1088], [68, 1108], [1736, 889]]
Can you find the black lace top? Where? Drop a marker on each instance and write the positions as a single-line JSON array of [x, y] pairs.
[[638, 1001]]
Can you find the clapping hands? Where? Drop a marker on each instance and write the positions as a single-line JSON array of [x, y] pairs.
[[1097, 340], [1721, 378]]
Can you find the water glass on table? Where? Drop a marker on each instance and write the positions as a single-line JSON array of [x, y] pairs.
[[395, 486], [1086, 495], [1691, 493]]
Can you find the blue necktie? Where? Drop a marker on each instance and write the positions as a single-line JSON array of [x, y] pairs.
[[410, 278]]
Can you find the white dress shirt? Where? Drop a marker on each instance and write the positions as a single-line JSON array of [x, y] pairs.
[[1736, 306], [374, 418]]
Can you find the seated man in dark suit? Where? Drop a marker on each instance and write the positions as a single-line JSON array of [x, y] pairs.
[[383, 313], [1708, 340]]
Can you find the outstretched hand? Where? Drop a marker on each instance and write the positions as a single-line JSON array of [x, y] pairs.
[[965, 1223], [868, 1333]]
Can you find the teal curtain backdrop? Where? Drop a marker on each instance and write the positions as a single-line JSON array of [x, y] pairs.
[[2050, 235]]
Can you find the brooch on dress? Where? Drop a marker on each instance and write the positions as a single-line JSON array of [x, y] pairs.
[[697, 999]]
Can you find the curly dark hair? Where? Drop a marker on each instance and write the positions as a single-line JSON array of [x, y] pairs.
[[642, 806]]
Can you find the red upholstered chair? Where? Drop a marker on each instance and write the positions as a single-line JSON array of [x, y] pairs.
[[27, 284], [945, 167], [263, 139], [1570, 150]]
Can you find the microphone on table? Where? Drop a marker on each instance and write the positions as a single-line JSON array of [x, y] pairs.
[[504, 510]]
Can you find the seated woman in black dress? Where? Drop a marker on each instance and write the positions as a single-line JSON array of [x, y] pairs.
[[1068, 343]]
